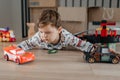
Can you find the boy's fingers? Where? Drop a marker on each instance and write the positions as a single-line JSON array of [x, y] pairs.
[[13, 45]]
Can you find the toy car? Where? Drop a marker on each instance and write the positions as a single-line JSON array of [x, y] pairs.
[[17, 55], [102, 54]]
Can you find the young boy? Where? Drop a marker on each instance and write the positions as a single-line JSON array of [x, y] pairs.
[[51, 35]]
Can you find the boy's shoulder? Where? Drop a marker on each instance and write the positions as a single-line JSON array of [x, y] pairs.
[[65, 35], [36, 36], [37, 33], [65, 32]]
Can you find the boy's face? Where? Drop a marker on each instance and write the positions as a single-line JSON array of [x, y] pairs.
[[50, 34]]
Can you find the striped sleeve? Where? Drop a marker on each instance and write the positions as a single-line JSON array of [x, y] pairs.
[[76, 42], [30, 43]]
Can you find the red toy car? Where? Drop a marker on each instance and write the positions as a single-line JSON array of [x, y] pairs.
[[17, 55]]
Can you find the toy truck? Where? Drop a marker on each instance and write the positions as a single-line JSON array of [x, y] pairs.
[[7, 35]]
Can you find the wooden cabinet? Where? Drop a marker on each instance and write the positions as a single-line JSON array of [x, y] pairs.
[[74, 18]]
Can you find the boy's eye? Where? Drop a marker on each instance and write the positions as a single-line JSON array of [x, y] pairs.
[[47, 32], [41, 32]]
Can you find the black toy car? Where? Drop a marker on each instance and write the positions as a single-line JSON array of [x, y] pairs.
[[102, 54]]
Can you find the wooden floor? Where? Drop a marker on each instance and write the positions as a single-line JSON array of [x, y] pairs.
[[64, 65]]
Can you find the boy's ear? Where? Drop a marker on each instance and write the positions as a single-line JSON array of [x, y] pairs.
[[60, 29]]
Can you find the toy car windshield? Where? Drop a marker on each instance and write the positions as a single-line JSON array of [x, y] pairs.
[[17, 51], [20, 52]]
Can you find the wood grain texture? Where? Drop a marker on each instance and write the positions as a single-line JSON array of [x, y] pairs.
[[64, 65]]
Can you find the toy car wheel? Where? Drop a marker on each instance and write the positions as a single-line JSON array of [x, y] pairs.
[[115, 60], [91, 60], [6, 57], [17, 61]]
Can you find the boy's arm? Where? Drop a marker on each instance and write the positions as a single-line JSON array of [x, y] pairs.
[[30, 43], [79, 44]]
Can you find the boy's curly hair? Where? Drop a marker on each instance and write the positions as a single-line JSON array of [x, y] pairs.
[[47, 17]]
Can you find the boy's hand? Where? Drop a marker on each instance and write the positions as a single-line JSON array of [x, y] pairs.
[[91, 49], [13, 45], [94, 48]]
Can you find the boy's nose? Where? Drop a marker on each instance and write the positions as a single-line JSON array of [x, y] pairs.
[[44, 35]]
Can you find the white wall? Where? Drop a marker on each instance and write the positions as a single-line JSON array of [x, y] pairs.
[[10, 15], [5, 13], [16, 18]]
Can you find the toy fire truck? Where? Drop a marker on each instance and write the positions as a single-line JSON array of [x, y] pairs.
[[105, 38], [7, 35]]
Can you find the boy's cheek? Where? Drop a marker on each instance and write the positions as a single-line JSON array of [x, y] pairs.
[[42, 38]]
